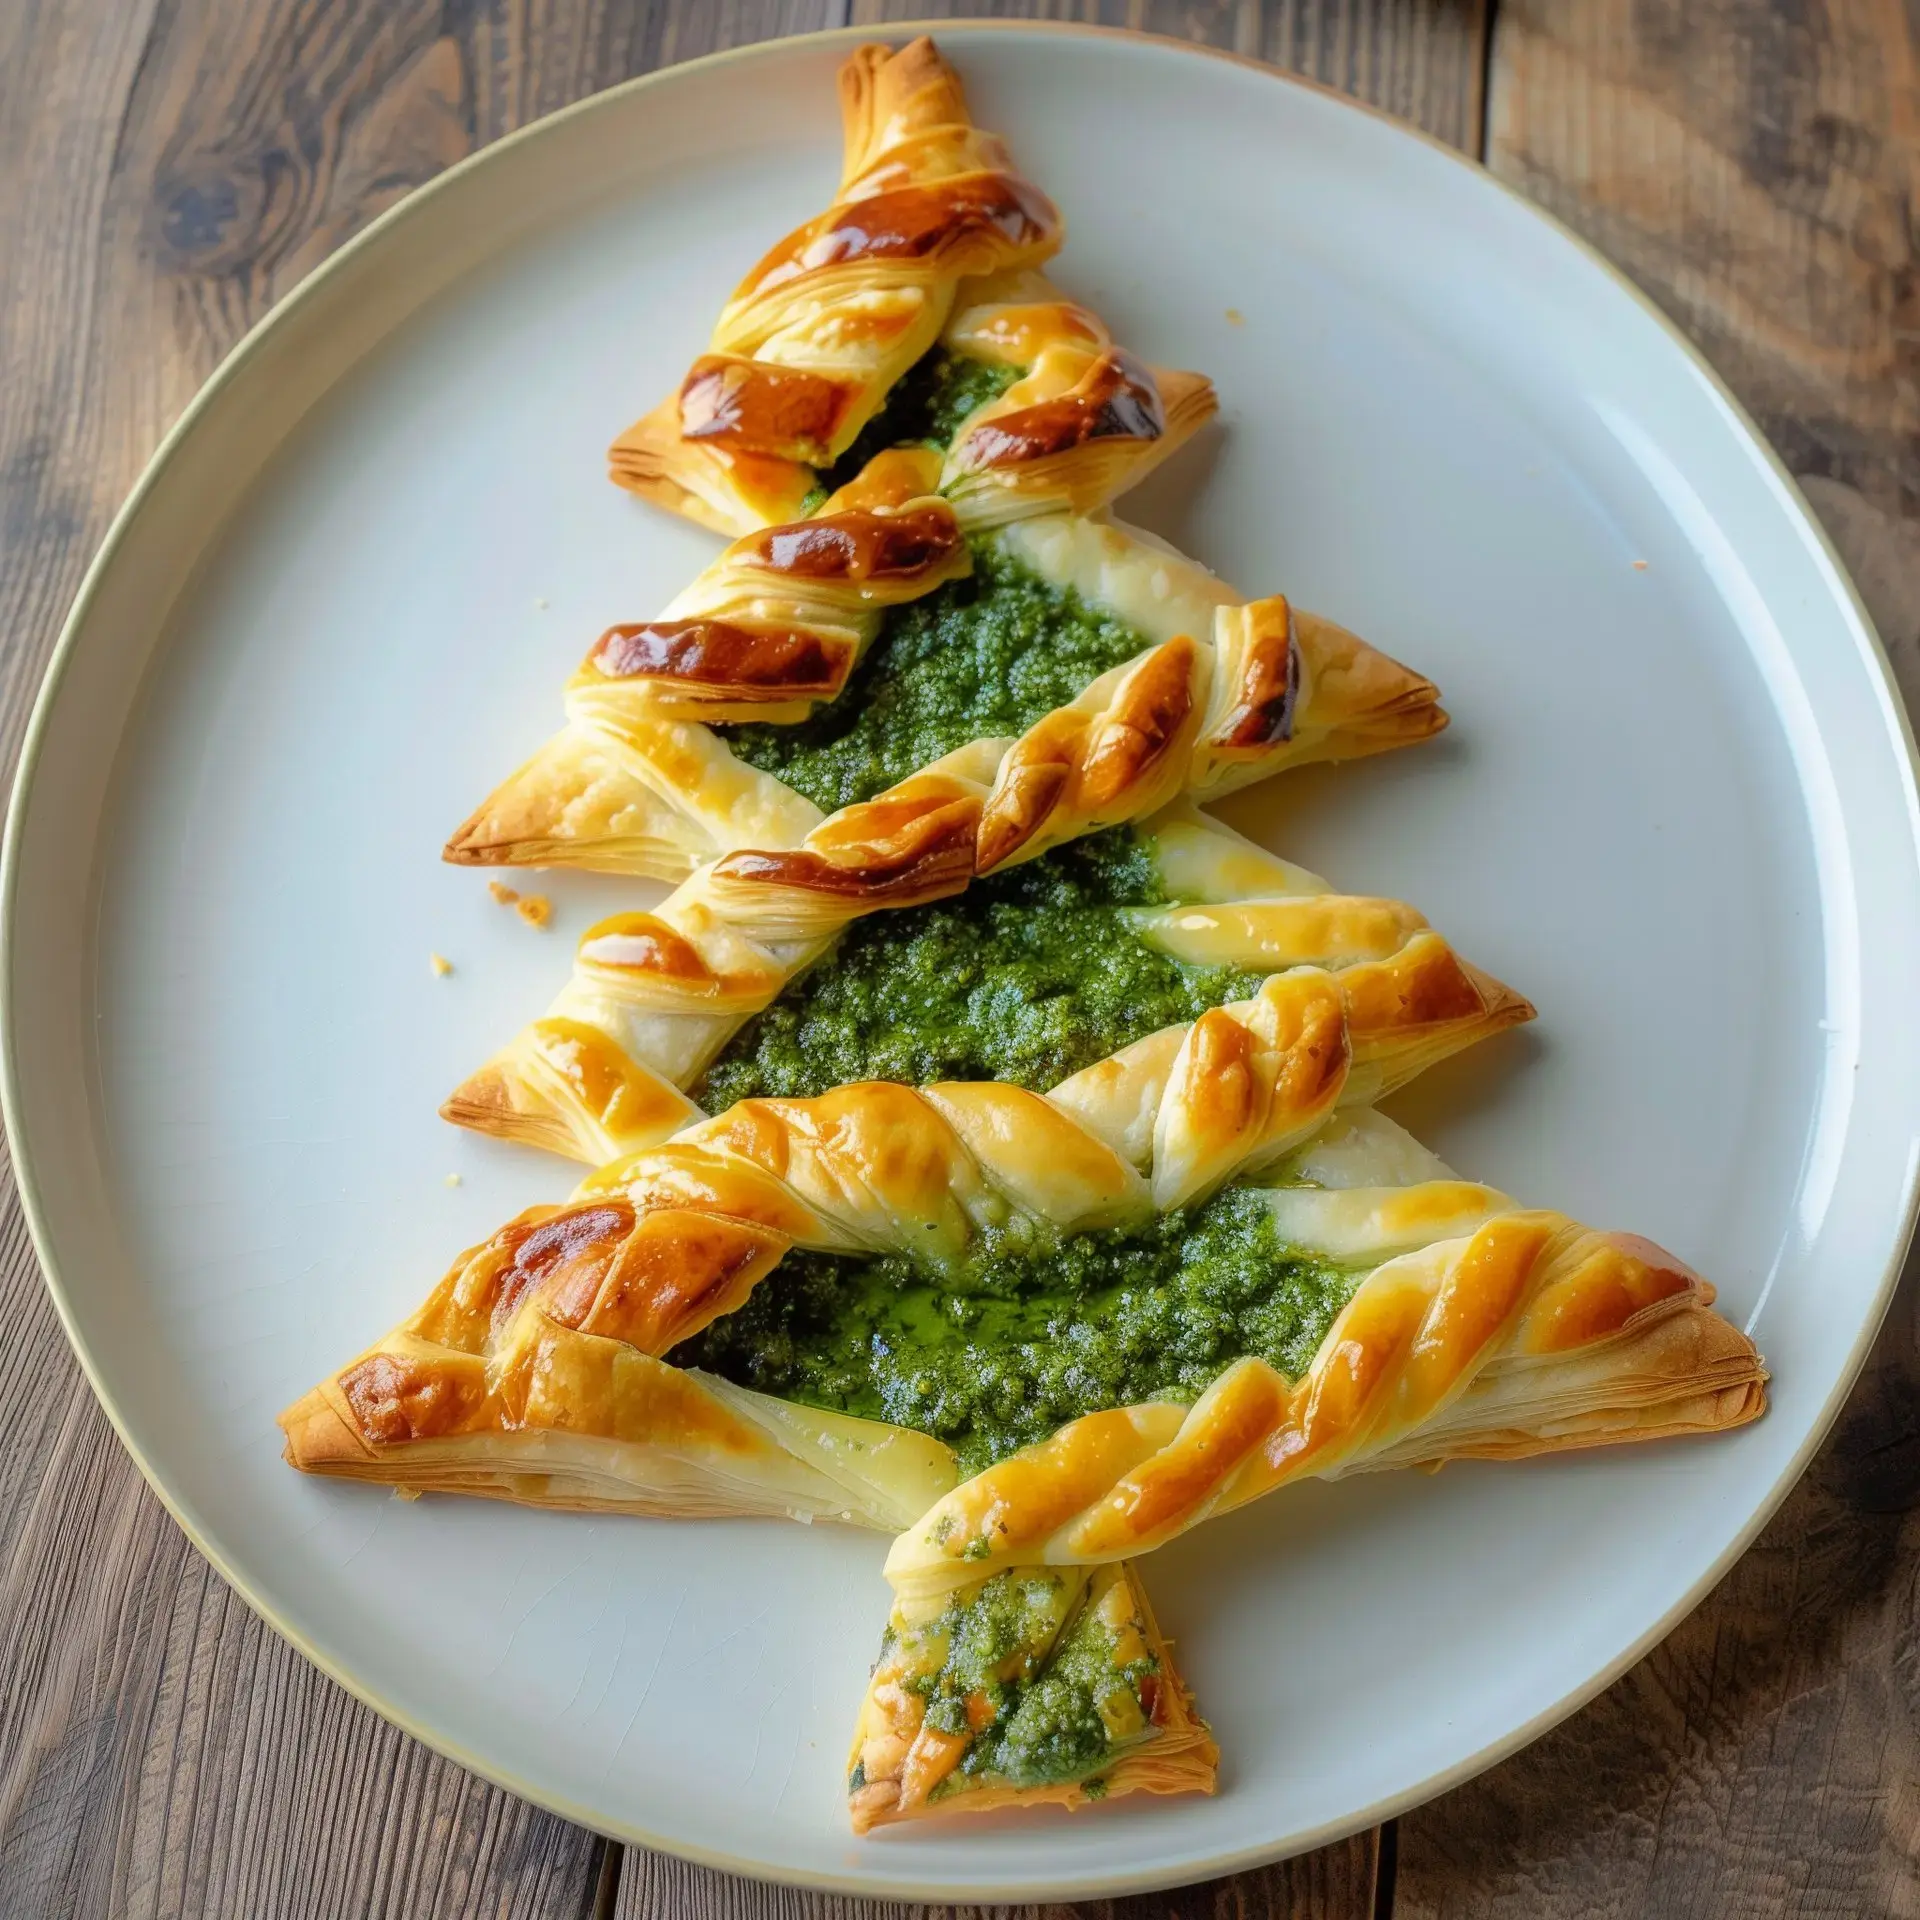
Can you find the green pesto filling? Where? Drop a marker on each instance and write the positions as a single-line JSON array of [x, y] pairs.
[[1027, 1334], [1028, 976], [1056, 1729], [984, 656], [925, 407], [1053, 1701]]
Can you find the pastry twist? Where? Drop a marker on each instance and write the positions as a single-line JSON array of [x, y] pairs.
[[818, 333], [1224, 692], [1084, 421], [655, 996]]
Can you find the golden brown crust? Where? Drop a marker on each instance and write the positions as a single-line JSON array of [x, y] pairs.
[[1290, 687], [784, 662], [1118, 752], [721, 488], [320, 1439], [571, 1088], [834, 313], [1115, 398], [1085, 420]]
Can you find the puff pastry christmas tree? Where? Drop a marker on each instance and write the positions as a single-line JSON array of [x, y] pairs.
[[1039, 1269]]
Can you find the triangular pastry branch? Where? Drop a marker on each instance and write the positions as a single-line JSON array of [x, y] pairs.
[[1223, 692], [655, 996], [1043, 1686], [910, 305], [1526, 1334], [535, 1371], [533, 1374]]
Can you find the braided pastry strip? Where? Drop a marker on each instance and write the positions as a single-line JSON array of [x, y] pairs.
[[534, 1371], [821, 332], [636, 783], [1526, 1335], [1084, 421], [655, 996]]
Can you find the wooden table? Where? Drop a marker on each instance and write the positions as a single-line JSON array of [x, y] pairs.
[[168, 169]]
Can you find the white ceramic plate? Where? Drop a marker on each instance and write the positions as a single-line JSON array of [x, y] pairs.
[[1677, 807]]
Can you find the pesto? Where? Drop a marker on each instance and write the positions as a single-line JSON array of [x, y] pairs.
[[987, 655], [999, 1631], [1020, 1338], [1028, 976], [1031, 1668], [925, 407], [1062, 1725]]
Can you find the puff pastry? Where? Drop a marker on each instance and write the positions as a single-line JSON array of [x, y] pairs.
[[1210, 693], [922, 268], [655, 996]]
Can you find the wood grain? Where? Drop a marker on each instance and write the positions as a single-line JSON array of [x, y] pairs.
[[1337, 1883], [1754, 169], [1421, 59]]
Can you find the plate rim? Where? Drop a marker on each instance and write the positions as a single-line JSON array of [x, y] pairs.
[[892, 1885]]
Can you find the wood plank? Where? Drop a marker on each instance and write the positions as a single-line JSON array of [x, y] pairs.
[[1753, 166], [1336, 1883], [1420, 59]]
